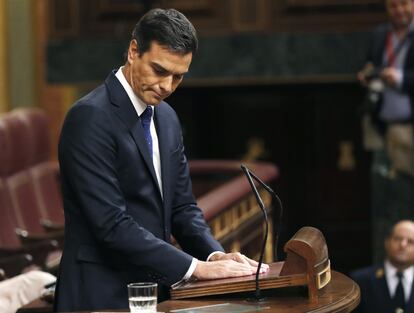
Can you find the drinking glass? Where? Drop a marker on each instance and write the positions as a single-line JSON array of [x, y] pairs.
[[142, 297]]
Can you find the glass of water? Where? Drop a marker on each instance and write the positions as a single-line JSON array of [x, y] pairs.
[[142, 297]]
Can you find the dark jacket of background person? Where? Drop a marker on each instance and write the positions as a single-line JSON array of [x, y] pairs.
[[375, 297]]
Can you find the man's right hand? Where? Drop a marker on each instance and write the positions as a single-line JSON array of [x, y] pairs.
[[366, 71], [222, 269]]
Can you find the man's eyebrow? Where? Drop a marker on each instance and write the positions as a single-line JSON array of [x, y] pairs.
[[159, 67], [163, 69]]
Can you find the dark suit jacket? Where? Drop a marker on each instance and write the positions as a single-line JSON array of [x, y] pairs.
[[375, 55], [375, 297], [117, 225]]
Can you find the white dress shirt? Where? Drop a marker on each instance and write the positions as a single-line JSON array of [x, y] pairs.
[[392, 279]]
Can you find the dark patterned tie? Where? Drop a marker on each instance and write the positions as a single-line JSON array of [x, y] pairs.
[[399, 299], [146, 123]]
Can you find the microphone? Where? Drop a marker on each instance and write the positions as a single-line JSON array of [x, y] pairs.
[[258, 297]]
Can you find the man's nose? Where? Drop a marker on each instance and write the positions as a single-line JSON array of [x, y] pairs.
[[166, 84], [404, 242]]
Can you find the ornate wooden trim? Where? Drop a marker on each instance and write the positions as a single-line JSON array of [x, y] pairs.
[[249, 15], [330, 3], [64, 18]]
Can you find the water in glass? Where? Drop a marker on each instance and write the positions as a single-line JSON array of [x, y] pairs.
[[142, 297]]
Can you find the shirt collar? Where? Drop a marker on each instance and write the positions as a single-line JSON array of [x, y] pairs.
[[391, 271], [138, 104]]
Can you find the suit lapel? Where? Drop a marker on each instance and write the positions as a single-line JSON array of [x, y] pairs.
[[126, 112], [410, 304], [162, 133], [381, 289]]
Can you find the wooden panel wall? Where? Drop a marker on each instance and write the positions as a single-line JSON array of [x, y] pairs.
[[76, 18], [312, 132]]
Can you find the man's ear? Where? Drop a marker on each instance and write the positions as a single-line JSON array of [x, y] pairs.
[[133, 52]]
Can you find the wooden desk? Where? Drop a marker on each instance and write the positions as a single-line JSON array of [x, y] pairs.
[[340, 295]]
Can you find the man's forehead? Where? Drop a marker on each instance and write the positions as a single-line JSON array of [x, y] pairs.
[[163, 57], [405, 229]]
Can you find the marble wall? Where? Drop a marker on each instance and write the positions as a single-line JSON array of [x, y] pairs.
[[255, 56]]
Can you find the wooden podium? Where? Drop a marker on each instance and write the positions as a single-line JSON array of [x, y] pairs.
[[340, 295], [307, 264]]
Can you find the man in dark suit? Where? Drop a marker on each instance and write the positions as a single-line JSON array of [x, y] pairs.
[[389, 75], [389, 287], [126, 183]]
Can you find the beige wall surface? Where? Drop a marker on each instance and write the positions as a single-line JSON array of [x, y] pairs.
[[21, 53], [4, 91]]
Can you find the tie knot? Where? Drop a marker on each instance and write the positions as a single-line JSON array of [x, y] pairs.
[[400, 275], [147, 114]]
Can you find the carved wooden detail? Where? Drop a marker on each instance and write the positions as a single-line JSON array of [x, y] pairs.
[[326, 15], [64, 18], [239, 228], [330, 3], [249, 15], [76, 18], [112, 7]]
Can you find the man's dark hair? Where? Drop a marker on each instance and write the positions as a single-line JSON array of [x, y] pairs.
[[389, 231], [169, 28]]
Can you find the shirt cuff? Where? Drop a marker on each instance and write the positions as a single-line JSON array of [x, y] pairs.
[[191, 269], [400, 79], [213, 253], [189, 273]]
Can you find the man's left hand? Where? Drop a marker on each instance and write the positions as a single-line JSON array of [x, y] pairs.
[[241, 258]]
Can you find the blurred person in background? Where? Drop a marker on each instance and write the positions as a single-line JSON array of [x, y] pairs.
[[388, 287], [388, 126]]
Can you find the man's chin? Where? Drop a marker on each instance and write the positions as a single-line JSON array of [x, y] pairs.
[[401, 24], [401, 261], [153, 101]]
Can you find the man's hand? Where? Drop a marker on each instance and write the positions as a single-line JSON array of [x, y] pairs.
[[241, 258], [390, 76], [223, 265], [221, 269], [364, 73]]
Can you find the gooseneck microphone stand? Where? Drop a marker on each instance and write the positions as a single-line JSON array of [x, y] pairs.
[[258, 296]]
